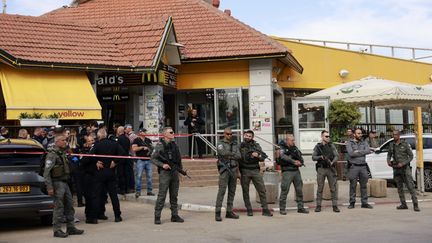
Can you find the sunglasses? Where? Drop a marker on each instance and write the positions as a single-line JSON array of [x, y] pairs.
[[229, 134], [172, 132], [327, 136]]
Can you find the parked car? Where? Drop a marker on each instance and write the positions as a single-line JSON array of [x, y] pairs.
[[378, 161], [22, 190]]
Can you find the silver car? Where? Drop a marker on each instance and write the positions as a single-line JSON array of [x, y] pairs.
[[378, 161], [22, 190]]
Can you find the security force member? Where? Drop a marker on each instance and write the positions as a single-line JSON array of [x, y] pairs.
[[326, 155], [105, 177], [402, 156], [252, 154], [357, 150], [290, 159], [57, 175], [228, 156], [166, 156]]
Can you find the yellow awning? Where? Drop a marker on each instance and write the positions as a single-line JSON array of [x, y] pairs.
[[68, 94]]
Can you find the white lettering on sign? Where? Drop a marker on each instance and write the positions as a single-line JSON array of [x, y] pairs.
[[109, 80]]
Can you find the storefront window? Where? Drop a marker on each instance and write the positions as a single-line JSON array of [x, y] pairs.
[[228, 108], [245, 94], [311, 115]]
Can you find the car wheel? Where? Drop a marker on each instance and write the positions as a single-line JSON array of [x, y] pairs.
[[428, 179], [46, 219]]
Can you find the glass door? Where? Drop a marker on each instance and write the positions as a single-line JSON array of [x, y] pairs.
[[229, 110], [309, 120]]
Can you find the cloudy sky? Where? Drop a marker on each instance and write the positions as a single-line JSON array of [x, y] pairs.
[[387, 22]]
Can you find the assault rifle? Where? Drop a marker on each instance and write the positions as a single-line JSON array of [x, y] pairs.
[[225, 165], [174, 167], [327, 160]]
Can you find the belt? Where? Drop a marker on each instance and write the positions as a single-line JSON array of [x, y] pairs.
[[361, 165]]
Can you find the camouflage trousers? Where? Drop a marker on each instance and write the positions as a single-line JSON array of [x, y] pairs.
[[401, 176], [229, 180], [289, 177], [168, 180], [63, 206], [255, 176]]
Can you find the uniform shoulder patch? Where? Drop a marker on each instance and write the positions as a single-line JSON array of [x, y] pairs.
[[48, 163], [220, 146]]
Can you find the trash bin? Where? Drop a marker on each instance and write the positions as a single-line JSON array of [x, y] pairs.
[[271, 182]]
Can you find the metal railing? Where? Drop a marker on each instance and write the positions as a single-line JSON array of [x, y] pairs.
[[419, 54]]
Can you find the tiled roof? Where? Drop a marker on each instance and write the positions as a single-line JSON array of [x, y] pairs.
[[126, 43], [205, 31]]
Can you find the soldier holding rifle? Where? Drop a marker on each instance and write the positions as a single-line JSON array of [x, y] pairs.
[[228, 156], [326, 155]]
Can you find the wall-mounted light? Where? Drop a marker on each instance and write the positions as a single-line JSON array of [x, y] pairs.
[[343, 73]]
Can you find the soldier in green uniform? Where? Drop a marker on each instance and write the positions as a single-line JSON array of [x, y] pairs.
[[402, 156], [290, 159], [326, 155], [57, 175], [252, 154], [228, 156], [166, 156]]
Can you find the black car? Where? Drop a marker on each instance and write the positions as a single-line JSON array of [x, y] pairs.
[[22, 189]]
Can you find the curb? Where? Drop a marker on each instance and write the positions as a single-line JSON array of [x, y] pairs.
[[206, 208]]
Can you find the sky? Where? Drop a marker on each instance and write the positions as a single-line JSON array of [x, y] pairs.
[[385, 22]]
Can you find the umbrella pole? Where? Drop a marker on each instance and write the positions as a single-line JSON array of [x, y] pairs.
[[419, 149], [372, 115]]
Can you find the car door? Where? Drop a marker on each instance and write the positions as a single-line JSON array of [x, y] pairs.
[[377, 162]]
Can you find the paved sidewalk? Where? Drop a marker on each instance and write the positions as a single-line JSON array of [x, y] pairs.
[[203, 198]]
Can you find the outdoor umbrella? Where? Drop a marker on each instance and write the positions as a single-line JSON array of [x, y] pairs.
[[380, 93]]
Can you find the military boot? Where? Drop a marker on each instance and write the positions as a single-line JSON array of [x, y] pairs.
[[231, 215], [60, 234], [318, 209], [177, 219], [402, 206], [218, 216], [266, 212], [336, 209], [416, 207], [302, 210], [74, 231], [249, 212], [157, 220]]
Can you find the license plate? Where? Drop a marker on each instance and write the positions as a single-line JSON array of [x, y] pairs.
[[14, 189]]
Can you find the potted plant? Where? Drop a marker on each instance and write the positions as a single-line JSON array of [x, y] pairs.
[[37, 119]]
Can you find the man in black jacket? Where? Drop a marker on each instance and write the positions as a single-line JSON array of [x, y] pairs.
[[195, 124], [123, 174], [88, 169], [105, 174]]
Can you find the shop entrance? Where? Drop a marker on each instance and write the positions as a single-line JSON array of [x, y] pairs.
[[114, 113]]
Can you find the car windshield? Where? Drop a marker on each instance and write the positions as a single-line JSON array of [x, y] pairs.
[[13, 156]]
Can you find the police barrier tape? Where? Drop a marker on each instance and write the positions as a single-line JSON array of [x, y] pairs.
[[85, 155]]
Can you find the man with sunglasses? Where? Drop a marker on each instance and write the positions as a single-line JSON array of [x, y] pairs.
[[252, 154], [402, 155], [228, 156], [357, 150], [165, 156], [326, 155]]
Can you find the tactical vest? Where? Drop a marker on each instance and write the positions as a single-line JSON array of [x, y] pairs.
[[249, 162], [61, 170], [327, 151]]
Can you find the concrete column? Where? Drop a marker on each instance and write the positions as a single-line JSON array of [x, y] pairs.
[[153, 108], [261, 102]]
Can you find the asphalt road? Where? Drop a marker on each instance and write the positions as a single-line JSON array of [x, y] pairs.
[[381, 224]]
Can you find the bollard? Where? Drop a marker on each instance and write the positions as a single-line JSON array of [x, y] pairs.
[[308, 191], [378, 187], [271, 182]]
